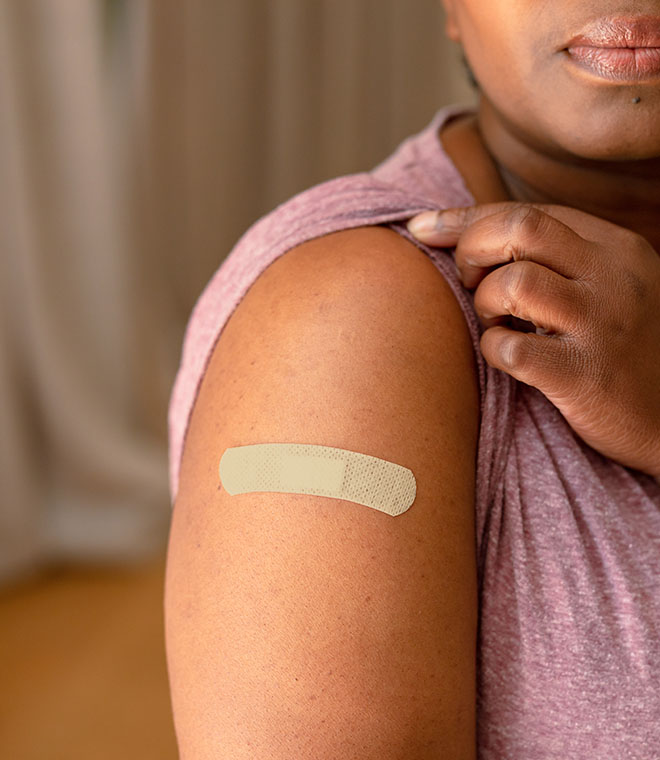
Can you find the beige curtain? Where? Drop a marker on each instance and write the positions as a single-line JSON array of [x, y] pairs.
[[138, 140]]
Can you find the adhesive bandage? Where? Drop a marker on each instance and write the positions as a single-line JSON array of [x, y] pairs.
[[321, 471]]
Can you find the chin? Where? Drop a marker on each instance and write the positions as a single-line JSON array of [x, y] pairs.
[[613, 137]]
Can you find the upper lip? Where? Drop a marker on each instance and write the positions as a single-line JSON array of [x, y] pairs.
[[620, 32]]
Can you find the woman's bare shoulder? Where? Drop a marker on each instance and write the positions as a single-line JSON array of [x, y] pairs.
[[287, 613]]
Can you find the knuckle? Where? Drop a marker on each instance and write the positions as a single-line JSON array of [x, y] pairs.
[[638, 289], [520, 283], [511, 251], [525, 223], [636, 242], [527, 220]]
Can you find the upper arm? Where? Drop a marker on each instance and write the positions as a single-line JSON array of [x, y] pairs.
[[301, 626]]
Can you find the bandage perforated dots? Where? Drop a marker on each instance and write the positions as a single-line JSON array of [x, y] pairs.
[[321, 471]]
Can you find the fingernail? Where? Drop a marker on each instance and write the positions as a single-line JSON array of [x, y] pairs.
[[423, 223]]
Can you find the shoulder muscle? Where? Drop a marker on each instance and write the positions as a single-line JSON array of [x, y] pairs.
[[310, 627]]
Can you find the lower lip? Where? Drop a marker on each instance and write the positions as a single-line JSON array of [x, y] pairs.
[[620, 64]]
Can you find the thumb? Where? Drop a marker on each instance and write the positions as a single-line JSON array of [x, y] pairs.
[[444, 226]]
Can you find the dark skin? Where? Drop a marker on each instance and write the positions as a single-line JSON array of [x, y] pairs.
[[565, 234], [557, 135]]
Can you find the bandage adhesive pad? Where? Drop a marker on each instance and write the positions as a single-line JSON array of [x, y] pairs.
[[321, 471]]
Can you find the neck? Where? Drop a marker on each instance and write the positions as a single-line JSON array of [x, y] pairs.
[[624, 192]]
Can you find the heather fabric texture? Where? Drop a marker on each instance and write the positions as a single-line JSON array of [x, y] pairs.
[[568, 541]]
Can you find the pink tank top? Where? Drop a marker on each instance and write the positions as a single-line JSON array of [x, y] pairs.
[[568, 541]]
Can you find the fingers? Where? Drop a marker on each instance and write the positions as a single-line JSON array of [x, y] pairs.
[[558, 306], [444, 227], [549, 363], [523, 234], [534, 293], [564, 239]]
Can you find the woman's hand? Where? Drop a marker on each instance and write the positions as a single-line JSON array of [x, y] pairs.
[[592, 289]]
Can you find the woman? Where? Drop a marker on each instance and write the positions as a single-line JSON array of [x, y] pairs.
[[513, 611]]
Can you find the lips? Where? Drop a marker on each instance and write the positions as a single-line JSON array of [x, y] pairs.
[[619, 32], [619, 63], [621, 48]]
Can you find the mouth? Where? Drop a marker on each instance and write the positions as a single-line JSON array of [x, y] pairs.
[[620, 49], [636, 32]]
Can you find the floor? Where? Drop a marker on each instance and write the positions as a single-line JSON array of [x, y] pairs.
[[82, 664]]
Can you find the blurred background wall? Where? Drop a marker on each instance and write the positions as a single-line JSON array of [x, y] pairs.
[[138, 140]]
